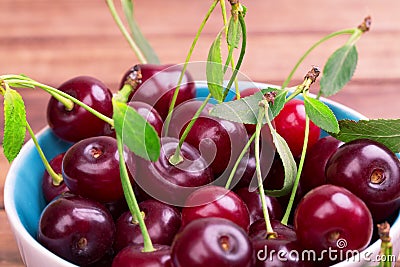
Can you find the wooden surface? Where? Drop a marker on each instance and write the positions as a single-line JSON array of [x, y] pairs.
[[52, 41]]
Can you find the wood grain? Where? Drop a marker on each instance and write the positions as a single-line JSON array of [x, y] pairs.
[[52, 41]]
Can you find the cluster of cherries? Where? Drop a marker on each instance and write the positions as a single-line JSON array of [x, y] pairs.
[[192, 219]]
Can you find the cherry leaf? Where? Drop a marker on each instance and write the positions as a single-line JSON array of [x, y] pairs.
[[136, 133], [321, 114], [380, 130], [14, 124], [245, 110], [234, 33], [338, 70], [214, 70]]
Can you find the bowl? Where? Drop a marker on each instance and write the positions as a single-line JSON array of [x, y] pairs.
[[24, 200]]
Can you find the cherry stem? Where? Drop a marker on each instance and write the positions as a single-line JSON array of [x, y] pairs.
[[131, 199], [261, 113], [234, 168], [177, 158], [57, 178], [315, 45], [289, 207], [18, 79], [189, 55], [241, 55], [125, 32]]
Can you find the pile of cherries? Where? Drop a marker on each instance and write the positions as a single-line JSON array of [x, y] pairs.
[[191, 218]]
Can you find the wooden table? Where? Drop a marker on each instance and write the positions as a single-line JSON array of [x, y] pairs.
[[52, 41]]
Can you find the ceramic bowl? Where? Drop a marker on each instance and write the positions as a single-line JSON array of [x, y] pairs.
[[24, 200]]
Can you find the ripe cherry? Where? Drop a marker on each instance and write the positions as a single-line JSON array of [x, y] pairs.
[[162, 222], [50, 189], [215, 201], [133, 256], [149, 113], [77, 124], [158, 86], [330, 216], [91, 169], [170, 183], [212, 242], [77, 229], [290, 124]]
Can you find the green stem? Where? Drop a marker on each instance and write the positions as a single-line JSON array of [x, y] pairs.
[[57, 178], [234, 168], [177, 158], [285, 218], [261, 114], [241, 56], [189, 55], [323, 39], [125, 32], [53, 91], [131, 199]]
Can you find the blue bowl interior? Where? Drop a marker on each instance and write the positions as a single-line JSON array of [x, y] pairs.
[[28, 195]]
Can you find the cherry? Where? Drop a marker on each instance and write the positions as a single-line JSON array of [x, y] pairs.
[[133, 256], [91, 169], [313, 174], [212, 242], [117, 207], [290, 124], [77, 229], [158, 86], [77, 124], [258, 230], [219, 141], [149, 113], [369, 170], [170, 183], [49, 188], [162, 222], [215, 201], [330, 216], [252, 200]]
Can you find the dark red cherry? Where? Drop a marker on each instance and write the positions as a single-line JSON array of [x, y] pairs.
[[219, 141], [162, 222], [158, 85], [50, 189], [366, 168], [331, 217], [149, 113], [116, 207], [77, 124], [91, 169], [252, 200], [77, 229], [170, 183], [313, 174], [133, 256], [212, 242], [258, 230], [290, 124], [215, 201]]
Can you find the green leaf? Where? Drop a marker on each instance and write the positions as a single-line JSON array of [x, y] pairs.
[[289, 164], [321, 114], [245, 110], [338, 70], [136, 133], [14, 124], [380, 130], [214, 70], [234, 33], [137, 35]]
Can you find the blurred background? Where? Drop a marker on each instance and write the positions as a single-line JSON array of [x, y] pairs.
[[53, 41]]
